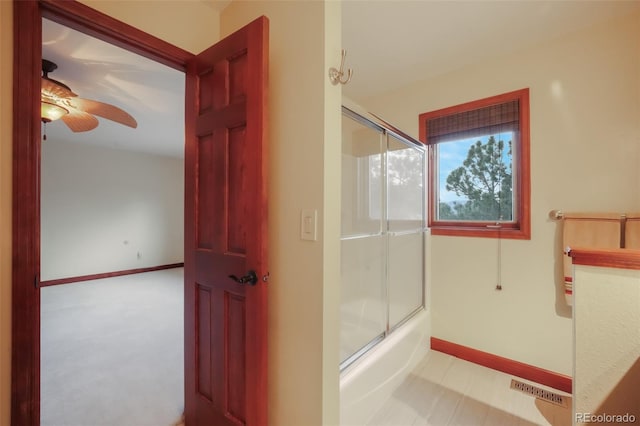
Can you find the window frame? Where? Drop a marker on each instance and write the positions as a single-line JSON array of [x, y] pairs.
[[520, 228]]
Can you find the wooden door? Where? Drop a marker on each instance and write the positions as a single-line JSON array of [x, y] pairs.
[[226, 231]]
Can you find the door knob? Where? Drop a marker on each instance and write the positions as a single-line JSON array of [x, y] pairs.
[[251, 278]]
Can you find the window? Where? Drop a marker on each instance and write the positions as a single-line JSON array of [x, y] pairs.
[[479, 167]]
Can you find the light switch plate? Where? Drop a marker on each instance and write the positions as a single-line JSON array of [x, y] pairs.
[[308, 225]]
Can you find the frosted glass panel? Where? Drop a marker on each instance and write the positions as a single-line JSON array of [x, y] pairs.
[[406, 260], [405, 171], [363, 306], [382, 251], [361, 179]]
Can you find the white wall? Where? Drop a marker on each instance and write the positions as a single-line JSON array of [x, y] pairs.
[[607, 341], [191, 25], [105, 210], [585, 156]]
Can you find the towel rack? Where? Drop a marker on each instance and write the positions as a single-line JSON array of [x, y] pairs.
[[559, 214], [556, 214]]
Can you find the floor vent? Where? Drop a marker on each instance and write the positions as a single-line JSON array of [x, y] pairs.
[[540, 393]]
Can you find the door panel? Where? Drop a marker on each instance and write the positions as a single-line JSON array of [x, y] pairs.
[[205, 386], [238, 186], [225, 231]]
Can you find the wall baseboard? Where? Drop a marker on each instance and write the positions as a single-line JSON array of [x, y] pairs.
[[506, 365], [109, 274]]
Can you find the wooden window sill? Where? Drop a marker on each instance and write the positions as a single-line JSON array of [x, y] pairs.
[[480, 232]]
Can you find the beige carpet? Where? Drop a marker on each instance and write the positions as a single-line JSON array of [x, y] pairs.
[[112, 351]]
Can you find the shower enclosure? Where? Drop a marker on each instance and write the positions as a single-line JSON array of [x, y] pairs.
[[383, 229]]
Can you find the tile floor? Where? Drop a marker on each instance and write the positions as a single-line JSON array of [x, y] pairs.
[[446, 391]]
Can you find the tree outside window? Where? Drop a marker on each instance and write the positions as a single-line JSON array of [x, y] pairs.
[[479, 167]]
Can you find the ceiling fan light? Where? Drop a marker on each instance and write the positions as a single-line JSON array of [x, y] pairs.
[[51, 112]]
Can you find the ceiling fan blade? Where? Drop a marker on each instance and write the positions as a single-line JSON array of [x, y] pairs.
[[80, 121], [53, 90], [103, 110]]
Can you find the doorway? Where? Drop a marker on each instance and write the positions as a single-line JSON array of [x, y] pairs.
[[26, 226], [112, 339], [236, 120]]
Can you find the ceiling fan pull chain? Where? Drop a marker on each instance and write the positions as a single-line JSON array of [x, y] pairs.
[[44, 134]]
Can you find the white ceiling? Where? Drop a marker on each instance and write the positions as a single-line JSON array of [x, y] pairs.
[[151, 92], [389, 44], [397, 42]]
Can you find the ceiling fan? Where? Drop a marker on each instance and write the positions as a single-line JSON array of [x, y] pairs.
[[59, 102]]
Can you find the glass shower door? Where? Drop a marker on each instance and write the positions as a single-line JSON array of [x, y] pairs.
[[406, 212], [363, 307], [382, 235]]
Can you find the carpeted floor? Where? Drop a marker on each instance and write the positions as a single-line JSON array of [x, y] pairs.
[[112, 351]]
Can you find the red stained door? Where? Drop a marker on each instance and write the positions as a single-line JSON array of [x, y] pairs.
[[226, 231]]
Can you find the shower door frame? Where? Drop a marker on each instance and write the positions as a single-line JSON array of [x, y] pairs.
[[387, 130]]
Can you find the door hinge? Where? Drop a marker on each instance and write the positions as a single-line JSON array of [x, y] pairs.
[[36, 282]]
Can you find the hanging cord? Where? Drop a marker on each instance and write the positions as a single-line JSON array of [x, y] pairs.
[[498, 226], [499, 265], [499, 223]]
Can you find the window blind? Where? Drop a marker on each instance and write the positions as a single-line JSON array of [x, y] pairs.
[[488, 120]]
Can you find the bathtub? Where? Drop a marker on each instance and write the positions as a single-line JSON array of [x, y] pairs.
[[369, 381]]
